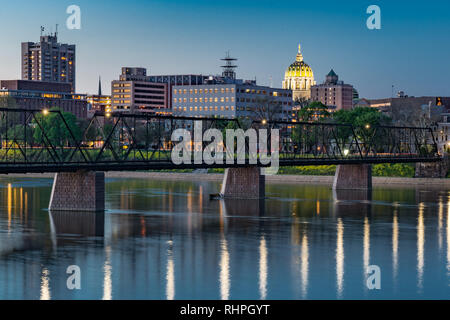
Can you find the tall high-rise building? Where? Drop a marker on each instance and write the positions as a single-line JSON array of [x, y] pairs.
[[48, 60]]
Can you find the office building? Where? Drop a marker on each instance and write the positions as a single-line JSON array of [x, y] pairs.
[[177, 80], [335, 94], [48, 60], [134, 92], [39, 95], [238, 99]]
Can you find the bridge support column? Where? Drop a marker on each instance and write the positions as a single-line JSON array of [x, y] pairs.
[[78, 191], [353, 176], [243, 183]]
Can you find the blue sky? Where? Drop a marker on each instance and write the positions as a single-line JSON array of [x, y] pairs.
[[411, 50]]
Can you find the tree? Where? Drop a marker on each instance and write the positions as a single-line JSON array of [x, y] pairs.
[[55, 128], [8, 119], [268, 109], [315, 111], [364, 121]]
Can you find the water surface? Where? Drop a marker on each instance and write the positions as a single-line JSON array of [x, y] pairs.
[[168, 240]]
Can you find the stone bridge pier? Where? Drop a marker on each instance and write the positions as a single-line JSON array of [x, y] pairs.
[[353, 177], [243, 183], [78, 191]]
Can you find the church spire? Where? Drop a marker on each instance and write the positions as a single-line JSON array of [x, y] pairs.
[[99, 85], [299, 54]]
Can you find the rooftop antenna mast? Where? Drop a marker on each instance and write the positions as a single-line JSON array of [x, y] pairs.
[[56, 32], [42, 30], [229, 67]]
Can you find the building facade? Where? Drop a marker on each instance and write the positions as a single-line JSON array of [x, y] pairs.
[[101, 103], [48, 60], [39, 95], [333, 93], [177, 80], [299, 77], [135, 92], [236, 99]]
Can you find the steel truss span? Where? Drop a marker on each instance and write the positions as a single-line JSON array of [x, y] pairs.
[[36, 141]]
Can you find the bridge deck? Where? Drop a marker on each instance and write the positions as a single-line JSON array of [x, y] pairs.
[[35, 141]]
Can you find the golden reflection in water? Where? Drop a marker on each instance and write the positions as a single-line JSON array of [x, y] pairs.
[[340, 257], [318, 207], [107, 275], [170, 276], [224, 271], [420, 245], [366, 245], [26, 206], [440, 223], [21, 205], [9, 205], [45, 285], [200, 199], [395, 244], [263, 268], [304, 265]]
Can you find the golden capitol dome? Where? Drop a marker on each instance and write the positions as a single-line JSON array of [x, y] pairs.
[[299, 77]]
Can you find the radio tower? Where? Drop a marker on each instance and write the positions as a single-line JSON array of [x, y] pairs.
[[228, 68]]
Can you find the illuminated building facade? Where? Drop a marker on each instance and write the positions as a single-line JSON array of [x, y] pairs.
[[48, 60], [39, 95], [100, 103], [135, 92], [177, 80], [231, 100], [299, 78], [333, 93]]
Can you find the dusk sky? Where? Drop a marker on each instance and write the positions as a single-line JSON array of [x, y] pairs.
[[411, 50]]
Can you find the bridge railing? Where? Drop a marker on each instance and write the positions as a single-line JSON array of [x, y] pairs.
[[328, 141], [108, 141]]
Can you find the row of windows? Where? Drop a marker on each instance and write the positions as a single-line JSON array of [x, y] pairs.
[[227, 90], [222, 99], [196, 91], [222, 108], [118, 85]]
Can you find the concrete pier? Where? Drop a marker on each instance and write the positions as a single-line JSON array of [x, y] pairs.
[[78, 191], [243, 183], [353, 176]]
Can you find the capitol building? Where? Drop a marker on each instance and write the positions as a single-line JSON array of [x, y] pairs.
[[299, 78]]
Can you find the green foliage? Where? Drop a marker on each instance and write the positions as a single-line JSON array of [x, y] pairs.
[[394, 170], [363, 119], [55, 128], [309, 170], [315, 111], [378, 170]]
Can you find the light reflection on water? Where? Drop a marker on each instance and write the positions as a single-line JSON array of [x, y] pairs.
[[167, 240]]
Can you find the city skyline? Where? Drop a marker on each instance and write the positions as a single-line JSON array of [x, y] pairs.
[[407, 52]]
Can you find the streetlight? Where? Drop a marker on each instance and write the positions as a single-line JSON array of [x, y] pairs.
[[264, 121], [367, 126], [346, 152], [45, 112]]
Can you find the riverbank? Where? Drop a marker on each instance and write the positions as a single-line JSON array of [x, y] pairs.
[[289, 179]]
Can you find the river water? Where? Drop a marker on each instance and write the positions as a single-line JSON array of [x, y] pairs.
[[168, 240]]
